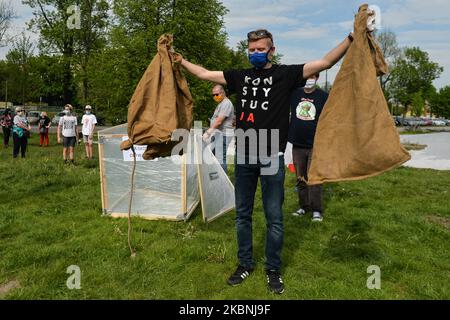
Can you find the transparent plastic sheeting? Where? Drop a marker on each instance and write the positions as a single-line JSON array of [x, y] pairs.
[[157, 184], [165, 188], [216, 189]]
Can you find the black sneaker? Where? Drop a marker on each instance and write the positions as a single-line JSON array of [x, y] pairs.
[[274, 281], [239, 275]]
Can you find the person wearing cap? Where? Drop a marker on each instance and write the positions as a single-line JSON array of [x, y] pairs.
[[67, 127], [88, 121], [44, 123], [262, 124], [21, 132]]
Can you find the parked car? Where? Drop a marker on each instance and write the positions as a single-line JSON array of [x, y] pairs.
[[33, 117], [56, 117], [397, 120], [426, 122], [439, 122], [101, 120]]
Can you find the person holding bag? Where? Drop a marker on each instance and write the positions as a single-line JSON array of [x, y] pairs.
[[21, 132]]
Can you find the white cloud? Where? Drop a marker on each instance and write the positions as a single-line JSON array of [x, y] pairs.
[[413, 12], [305, 32], [241, 22]]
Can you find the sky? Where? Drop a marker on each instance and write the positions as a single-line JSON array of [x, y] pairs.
[[307, 30]]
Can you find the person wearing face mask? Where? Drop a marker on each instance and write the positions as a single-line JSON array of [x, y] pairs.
[[21, 130], [88, 121], [262, 112], [67, 127], [306, 106], [43, 126], [221, 126]]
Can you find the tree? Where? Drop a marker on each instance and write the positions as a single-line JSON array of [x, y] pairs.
[[417, 103], [19, 56], [413, 72], [6, 16], [91, 38], [55, 38], [74, 43], [389, 47], [440, 102], [198, 29]]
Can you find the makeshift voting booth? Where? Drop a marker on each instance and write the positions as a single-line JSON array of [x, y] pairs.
[[167, 188]]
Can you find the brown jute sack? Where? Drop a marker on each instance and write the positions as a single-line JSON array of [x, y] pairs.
[[160, 104], [356, 137]]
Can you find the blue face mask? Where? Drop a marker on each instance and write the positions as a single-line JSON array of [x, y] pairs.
[[259, 59]]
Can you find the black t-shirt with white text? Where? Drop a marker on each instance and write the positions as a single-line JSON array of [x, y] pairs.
[[305, 112], [263, 102]]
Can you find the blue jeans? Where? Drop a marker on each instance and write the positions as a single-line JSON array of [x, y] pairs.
[[221, 151], [272, 187]]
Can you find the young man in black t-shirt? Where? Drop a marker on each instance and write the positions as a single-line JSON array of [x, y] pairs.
[[262, 122], [306, 106]]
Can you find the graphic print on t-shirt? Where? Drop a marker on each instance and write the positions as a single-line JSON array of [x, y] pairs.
[[256, 93], [69, 124], [306, 110]]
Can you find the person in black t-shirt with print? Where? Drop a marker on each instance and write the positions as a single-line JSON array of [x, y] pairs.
[[262, 123], [44, 124], [306, 106]]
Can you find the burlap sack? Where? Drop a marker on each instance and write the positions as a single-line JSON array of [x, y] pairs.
[[356, 137], [160, 104]]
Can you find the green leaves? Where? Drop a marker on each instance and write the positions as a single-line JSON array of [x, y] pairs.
[[413, 73]]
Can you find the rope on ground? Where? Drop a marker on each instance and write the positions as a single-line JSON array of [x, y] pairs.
[[133, 253]]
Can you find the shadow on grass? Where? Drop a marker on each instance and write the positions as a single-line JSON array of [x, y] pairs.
[[353, 242]]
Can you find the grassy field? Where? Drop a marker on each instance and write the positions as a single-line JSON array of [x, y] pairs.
[[50, 218]]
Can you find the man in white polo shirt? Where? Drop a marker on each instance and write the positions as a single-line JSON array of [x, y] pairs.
[[88, 121]]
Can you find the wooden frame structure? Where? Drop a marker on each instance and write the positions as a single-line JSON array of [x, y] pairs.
[[189, 194]]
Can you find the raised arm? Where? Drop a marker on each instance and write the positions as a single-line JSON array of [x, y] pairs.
[[330, 59], [204, 74]]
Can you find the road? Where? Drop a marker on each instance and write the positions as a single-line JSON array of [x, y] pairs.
[[53, 128]]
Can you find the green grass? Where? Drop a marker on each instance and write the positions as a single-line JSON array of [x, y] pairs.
[[50, 218]]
